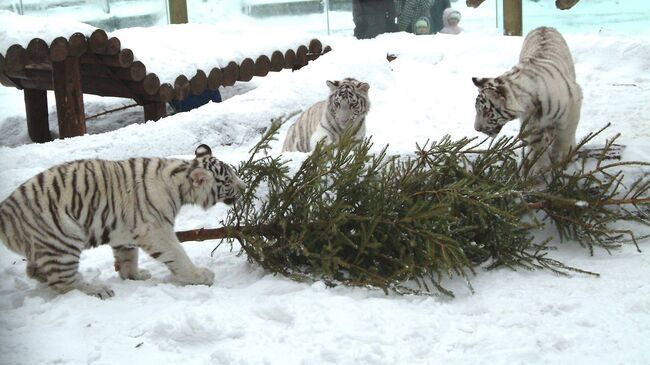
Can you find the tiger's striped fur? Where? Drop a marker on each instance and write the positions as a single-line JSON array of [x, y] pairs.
[[346, 107], [541, 90], [126, 204]]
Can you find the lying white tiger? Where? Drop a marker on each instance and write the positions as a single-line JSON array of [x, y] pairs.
[[346, 107], [126, 204], [541, 91]]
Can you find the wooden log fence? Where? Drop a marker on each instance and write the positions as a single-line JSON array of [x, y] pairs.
[[98, 65]]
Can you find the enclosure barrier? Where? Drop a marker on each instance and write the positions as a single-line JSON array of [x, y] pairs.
[[99, 65]]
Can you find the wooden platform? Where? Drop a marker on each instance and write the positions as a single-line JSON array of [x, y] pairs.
[[98, 65]]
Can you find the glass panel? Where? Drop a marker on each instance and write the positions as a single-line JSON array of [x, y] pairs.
[[105, 14], [301, 15], [589, 16]]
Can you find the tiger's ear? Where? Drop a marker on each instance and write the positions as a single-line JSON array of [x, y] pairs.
[[333, 85], [198, 177], [480, 81], [363, 86], [202, 151]]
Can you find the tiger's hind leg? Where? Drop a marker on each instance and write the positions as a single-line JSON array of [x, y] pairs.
[[34, 273], [565, 139], [61, 272], [126, 263]]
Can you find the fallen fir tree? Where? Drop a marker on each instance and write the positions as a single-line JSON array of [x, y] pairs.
[[348, 216]]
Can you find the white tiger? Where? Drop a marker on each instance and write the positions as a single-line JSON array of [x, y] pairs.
[[346, 107], [541, 90], [126, 204]]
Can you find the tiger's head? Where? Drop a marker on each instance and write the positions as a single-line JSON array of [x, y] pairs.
[[349, 94], [494, 106], [213, 181]]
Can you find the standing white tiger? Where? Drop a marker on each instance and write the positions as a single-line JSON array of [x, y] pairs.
[[346, 107], [541, 91], [127, 204]]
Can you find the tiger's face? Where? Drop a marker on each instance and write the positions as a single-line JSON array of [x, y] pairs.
[[216, 180], [491, 107], [349, 94]]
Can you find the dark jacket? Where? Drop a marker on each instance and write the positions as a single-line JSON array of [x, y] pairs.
[[437, 9], [373, 17]]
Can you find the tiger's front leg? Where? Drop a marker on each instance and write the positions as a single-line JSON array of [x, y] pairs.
[[161, 244], [126, 263], [537, 157]]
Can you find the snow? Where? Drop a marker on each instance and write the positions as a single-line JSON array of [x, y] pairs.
[[252, 317]]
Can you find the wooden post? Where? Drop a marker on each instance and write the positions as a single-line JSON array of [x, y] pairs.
[[154, 111], [37, 115], [178, 11], [66, 79], [512, 21]]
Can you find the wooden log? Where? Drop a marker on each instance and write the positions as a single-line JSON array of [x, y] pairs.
[[59, 49], [123, 59], [230, 73], [150, 84], [98, 41], [97, 85], [246, 70], [66, 79], [38, 51], [4, 80], [262, 65], [315, 46], [37, 114], [178, 11], [215, 78], [289, 58], [154, 111], [277, 61], [15, 58], [136, 72], [165, 93], [78, 44], [301, 56], [198, 83], [512, 17], [181, 87], [113, 46]]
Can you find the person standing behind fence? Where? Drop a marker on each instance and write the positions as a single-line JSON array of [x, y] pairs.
[[373, 17], [451, 18], [409, 11], [437, 9]]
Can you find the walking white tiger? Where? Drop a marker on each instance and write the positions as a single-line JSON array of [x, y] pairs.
[[126, 204], [541, 90], [346, 107]]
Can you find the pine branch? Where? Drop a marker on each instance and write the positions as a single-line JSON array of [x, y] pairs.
[[348, 216]]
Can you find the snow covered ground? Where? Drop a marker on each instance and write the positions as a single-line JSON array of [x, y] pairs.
[[252, 317]]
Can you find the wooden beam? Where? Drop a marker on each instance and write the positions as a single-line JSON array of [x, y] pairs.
[[36, 111], [66, 80], [177, 11], [512, 19], [154, 111]]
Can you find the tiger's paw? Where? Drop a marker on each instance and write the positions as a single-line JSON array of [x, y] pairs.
[[199, 276], [138, 275], [100, 291]]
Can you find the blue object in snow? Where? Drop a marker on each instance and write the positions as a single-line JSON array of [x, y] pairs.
[[195, 101]]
